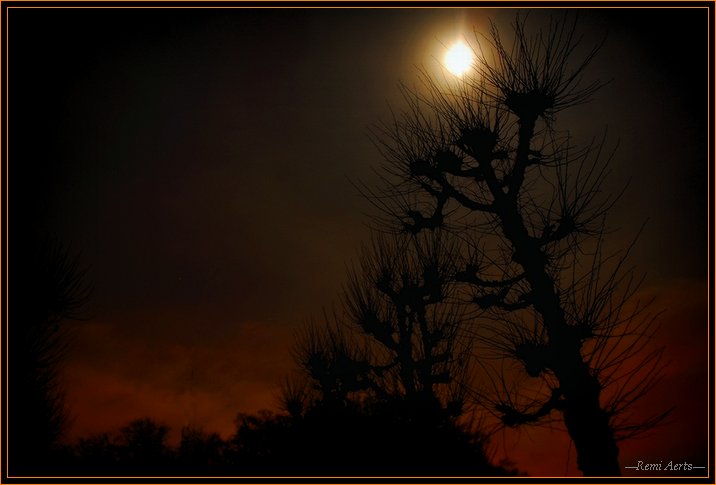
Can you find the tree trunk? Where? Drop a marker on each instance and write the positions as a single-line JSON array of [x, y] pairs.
[[587, 423], [588, 426]]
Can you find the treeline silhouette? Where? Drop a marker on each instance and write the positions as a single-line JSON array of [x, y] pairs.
[[368, 439], [380, 387]]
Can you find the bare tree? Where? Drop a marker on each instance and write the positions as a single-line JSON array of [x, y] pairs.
[[390, 369], [402, 297], [481, 158], [398, 337], [50, 289]]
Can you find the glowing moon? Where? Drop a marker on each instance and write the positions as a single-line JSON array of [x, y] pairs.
[[458, 58]]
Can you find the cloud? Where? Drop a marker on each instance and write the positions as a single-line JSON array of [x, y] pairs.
[[112, 377]]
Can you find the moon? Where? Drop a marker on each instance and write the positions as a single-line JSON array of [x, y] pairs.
[[459, 58]]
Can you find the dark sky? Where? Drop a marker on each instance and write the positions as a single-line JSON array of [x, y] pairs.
[[202, 160]]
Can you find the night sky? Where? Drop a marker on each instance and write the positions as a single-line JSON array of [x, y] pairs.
[[202, 163]]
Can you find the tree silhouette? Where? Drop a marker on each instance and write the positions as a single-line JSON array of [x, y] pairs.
[[48, 288], [200, 452], [356, 441], [143, 444], [481, 159], [385, 379], [398, 337], [95, 455], [138, 448]]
